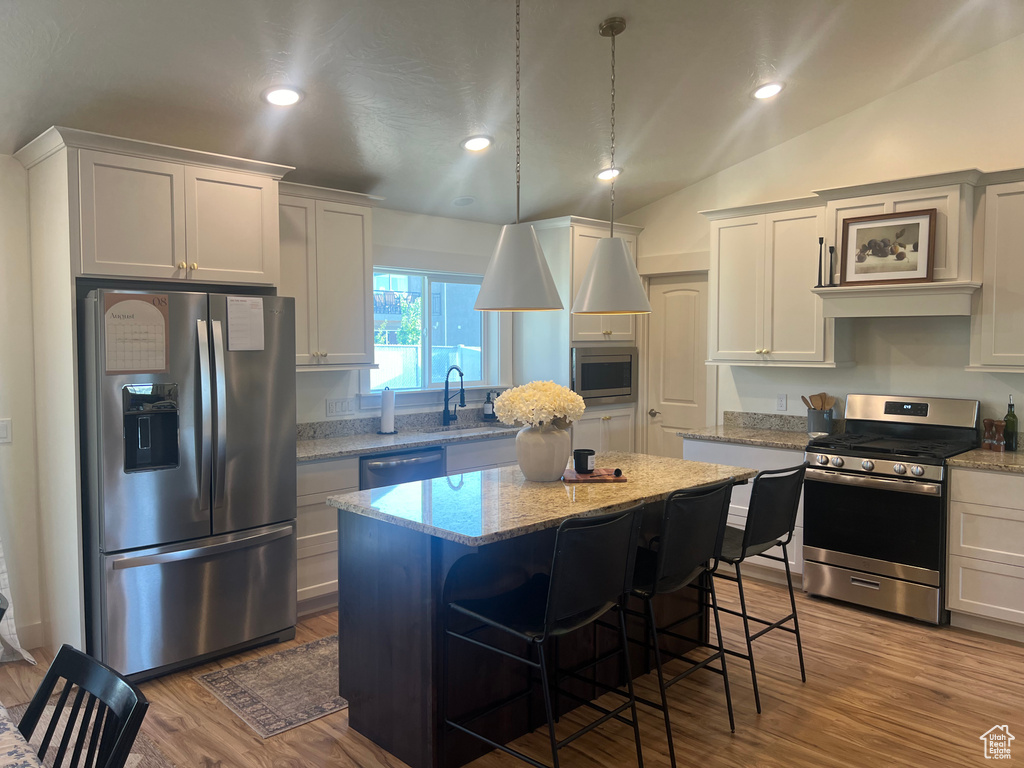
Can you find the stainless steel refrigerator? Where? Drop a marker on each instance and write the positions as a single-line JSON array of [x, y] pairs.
[[188, 403]]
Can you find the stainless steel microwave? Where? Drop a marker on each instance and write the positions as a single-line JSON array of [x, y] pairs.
[[602, 375]]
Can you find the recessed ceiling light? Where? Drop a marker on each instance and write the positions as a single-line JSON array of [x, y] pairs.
[[476, 143], [768, 90], [463, 201], [282, 95], [608, 174]]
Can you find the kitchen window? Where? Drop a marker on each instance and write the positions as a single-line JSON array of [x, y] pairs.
[[423, 323]]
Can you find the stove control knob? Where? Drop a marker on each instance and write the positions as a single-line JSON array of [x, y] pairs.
[[916, 471], [899, 469], [837, 461], [867, 465], [821, 459]]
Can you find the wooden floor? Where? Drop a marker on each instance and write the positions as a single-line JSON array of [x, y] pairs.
[[880, 692]]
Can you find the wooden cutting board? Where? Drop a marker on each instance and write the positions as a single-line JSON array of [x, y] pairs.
[[597, 476]]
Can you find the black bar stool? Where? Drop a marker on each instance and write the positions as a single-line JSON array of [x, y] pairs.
[[590, 572], [771, 518], [684, 554]]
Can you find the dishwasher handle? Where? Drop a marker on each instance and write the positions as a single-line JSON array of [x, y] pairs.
[[378, 464]]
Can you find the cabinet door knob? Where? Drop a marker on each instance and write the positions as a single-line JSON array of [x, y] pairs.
[[652, 413], [195, 265], [182, 265], [606, 418]]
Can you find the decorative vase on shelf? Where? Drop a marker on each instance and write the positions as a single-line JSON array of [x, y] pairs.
[[543, 452]]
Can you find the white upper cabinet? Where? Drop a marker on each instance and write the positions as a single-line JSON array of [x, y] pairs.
[[597, 327], [998, 334], [761, 307], [231, 227], [133, 216], [327, 266], [140, 210]]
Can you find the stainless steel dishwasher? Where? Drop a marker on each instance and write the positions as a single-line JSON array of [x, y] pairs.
[[400, 467]]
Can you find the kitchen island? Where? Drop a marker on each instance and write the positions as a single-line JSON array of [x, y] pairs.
[[405, 551]]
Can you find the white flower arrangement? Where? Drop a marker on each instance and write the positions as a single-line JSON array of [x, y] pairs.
[[539, 402]]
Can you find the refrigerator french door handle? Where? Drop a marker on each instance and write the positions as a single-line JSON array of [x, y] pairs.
[[206, 429], [191, 553], [221, 407]]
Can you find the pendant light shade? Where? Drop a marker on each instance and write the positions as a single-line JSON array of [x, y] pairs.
[[611, 285], [518, 278]]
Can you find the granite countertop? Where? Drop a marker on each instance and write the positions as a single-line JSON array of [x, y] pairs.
[[490, 505], [994, 461], [766, 438], [358, 445]]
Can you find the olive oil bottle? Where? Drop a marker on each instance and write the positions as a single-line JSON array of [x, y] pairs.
[[1011, 427]]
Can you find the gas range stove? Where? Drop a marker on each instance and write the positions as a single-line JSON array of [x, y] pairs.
[[898, 436], [875, 503]]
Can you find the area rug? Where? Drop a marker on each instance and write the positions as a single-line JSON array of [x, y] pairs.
[[274, 693], [145, 753]]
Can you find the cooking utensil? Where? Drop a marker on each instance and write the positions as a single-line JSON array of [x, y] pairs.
[[806, 401], [816, 402], [830, 400]]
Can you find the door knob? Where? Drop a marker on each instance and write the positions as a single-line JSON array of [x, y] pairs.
[[195, 265], [182, 265], [652, 413]]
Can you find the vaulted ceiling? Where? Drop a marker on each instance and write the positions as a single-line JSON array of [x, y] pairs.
[[392, 86]]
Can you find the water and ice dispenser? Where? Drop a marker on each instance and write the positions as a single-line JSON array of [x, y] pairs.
[[150, 426]]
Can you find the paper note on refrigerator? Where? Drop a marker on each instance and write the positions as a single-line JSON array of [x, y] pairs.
[[135, 327], [245, 323]]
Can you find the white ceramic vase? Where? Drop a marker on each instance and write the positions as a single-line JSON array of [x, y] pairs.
[[543, 452]]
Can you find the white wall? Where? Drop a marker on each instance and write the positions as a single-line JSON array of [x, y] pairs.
[[19, 503], [411, 241], [966, 116]]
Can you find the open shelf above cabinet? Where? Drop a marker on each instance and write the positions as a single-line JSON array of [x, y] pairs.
[[904, 300]]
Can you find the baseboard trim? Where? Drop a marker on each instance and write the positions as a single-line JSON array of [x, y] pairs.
[[767, 573], [32, 636], [318, 603], [986, 626]]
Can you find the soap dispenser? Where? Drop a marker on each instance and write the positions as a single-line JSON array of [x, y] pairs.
[[489, 409]]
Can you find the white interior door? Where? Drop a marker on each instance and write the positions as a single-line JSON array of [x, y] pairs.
[[678, 381]]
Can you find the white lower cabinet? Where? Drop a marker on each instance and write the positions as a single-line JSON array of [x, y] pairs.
[[480, 454], [606, 428], [758, 458], [317, 524], [986, 544]]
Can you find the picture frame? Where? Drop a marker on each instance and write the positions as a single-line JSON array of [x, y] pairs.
[[888, 248]]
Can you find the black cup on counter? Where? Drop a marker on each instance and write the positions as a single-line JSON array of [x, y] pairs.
[[583, 461]]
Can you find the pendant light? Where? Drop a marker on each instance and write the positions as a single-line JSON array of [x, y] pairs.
[[611, 284], [517, 278]]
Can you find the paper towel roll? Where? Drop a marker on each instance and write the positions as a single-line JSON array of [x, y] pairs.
[[387, 410]]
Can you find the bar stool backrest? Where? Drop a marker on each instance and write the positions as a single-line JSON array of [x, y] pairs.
[[691, 534], [774, 499], [593, 556]]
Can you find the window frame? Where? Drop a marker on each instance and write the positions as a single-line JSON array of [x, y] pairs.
[[487, 332]]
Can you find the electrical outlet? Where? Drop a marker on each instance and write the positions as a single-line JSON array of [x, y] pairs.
[[780, 402], [5, 431], [335, 406]]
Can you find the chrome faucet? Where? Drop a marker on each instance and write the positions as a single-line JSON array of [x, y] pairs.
[[446, 417]]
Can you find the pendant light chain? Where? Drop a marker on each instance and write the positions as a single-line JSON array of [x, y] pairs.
[[611, 229], [518, 136]]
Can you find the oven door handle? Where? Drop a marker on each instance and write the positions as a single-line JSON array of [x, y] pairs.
[[920, 487]]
